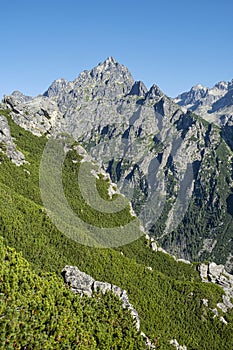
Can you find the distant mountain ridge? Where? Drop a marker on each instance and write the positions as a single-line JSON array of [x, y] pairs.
[[214, 104]]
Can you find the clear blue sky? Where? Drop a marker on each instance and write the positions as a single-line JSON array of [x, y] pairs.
[[175, 44]]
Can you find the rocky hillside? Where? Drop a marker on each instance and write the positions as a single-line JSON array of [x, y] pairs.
[[174, 166], [214, 104]]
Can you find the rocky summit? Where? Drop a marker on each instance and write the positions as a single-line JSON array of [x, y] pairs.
[[174, 166]]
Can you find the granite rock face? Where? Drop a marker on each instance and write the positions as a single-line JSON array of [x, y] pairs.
[[160, 157]]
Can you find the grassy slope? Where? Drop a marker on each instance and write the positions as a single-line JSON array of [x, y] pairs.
[[168, 298]]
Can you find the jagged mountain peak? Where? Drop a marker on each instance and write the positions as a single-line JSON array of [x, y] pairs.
[[198, 87], [20, 97], [109, 61], [221, 85], [56, 87], [110, 70], [128, 135], [154, 92]]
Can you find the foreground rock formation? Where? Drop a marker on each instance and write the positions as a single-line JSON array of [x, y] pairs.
[[217, 274], [82, 283]]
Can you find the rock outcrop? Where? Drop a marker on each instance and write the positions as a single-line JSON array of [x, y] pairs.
[[175, 343], [217, 274], [82, 283], [7, 145]]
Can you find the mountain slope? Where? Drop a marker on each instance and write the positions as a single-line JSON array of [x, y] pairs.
[[167, 294]]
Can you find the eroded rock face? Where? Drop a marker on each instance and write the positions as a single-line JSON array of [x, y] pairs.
[[7, 144], [82, 283]]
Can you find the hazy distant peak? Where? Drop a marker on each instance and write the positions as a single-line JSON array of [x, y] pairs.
[[221, 85], [215, 104], [198, 87]]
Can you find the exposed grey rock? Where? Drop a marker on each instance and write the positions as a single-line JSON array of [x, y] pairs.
[[222, 306], [205, 302], [154, 246], [82, 283], [57, 87], [208, 246], [184, 261], [177, 345], [37, 115], [79, 281], [103, 286], [148, 341], [229, 263], [7, 144], [203, 269], [217, 274], [154, 93], [21, 97], [223, 320], [215, 271], [149, 268]]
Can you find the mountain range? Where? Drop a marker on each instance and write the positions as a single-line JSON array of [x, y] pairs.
[[174, 166]]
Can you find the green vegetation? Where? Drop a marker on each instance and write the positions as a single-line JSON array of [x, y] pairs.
[[39, 312], [168, 298]]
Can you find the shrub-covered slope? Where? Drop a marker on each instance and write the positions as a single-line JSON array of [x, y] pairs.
[[39, 312], [168, 296]]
